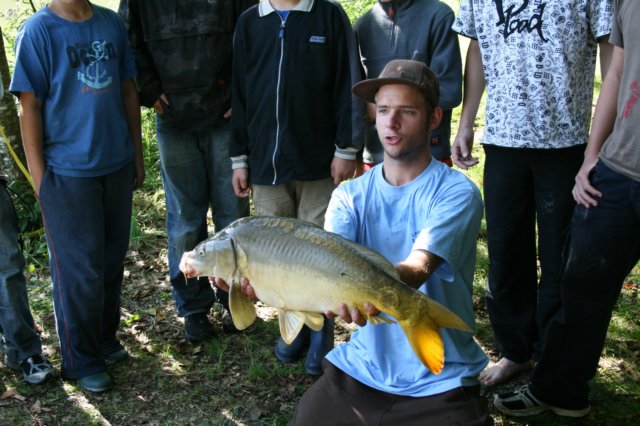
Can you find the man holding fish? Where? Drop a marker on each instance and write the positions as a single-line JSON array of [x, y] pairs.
[[424, 218]]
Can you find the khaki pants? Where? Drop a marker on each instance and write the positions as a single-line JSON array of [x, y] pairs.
[[305, 200]]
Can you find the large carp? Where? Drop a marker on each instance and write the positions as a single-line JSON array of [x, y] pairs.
[[303, 271]]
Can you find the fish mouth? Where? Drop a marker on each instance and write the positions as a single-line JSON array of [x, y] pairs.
[[188, 265]]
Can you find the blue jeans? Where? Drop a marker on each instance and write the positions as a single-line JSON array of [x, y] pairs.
[[196, 174], [16, 322], [524, 188], [604, 246], [87, 222]]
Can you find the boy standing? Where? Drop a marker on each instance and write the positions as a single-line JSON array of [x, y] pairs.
[[292, 134], [537, 60], [80, 120], [183, 52], [419, 30], [604, 243]]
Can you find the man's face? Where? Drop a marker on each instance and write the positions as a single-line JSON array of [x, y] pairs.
[[401, 121]]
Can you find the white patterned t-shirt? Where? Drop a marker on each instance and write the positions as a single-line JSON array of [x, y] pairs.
[[539, 60]]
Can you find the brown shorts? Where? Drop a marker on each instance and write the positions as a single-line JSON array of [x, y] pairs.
[[338, 399]]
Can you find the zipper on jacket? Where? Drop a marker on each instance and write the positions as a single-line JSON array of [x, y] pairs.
[[275, 150]]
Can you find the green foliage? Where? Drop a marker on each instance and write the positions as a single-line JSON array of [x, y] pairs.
[[355, 8]]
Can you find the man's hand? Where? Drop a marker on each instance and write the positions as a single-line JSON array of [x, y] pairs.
[[342, 169], [350, 315], [245, 287], [138, 180], [461, 148], [583, 192], [240, 182], [159, 104]]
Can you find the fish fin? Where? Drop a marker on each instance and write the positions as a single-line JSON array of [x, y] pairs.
[[243, 312], [379, 319], [242, 262], [291, 323], [314, 320], [427, 344], [444, 317]]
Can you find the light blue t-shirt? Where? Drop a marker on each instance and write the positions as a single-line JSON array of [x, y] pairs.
[[439, 211], [76, 69]]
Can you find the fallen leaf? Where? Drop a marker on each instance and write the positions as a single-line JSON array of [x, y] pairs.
[[10, 393], [7, 394]]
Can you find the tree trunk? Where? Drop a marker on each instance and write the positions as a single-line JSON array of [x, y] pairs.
[[9, 122]]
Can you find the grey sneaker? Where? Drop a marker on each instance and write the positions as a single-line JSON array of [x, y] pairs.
[[36, 369]]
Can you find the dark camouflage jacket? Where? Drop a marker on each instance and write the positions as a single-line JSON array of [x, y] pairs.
[[183, 49]]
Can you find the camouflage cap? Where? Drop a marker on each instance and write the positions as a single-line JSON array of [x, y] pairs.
[[402, 71]]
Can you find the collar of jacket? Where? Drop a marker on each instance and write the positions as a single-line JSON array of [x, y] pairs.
[[265, 7]]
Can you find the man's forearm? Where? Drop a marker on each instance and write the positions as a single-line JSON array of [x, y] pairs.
[[474, 85], [418, 267]]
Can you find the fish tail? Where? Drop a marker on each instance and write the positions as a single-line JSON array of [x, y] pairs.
[[426, 343], [424, 335], [444, 317]]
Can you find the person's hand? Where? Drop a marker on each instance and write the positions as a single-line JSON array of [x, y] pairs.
[[350, 315], [461, 148], [245, 287], [240, 182], [159, 104], [583, 192], [227, 114], [342, 169], [138, 180]]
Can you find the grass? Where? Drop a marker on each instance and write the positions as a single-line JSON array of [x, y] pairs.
[[235, 380]]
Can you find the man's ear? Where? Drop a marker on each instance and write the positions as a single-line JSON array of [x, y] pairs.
[[436, 117]]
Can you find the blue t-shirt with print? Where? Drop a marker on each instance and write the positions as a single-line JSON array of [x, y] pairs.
[[439, 211], [76, 70]]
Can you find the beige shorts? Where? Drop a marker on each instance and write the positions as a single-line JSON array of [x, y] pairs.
[[305, 200]]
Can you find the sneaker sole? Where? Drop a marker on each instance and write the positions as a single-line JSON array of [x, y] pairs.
[[96, 390], [570, 413], [534, 411]]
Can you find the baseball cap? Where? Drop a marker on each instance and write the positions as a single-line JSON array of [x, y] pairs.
[[401, 71]]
